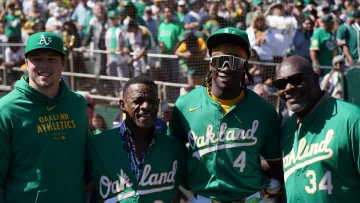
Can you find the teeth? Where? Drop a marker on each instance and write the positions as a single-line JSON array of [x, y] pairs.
[[44, 74]]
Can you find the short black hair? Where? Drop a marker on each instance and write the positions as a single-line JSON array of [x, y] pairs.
[[141, 79]]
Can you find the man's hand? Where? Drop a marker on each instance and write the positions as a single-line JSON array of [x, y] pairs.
[[317, 70], [260, 41], [187, 54], [82, 49]]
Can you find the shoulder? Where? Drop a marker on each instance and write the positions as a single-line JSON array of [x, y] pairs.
[[260, 104], [10, 100], [104, 137], [345, 110], [92, 20], [184, 100], [77, 96]]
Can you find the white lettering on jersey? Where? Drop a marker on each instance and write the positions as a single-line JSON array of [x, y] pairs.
[[310, 153], [157, 178], [224, 136], [114, 186], [147, 179]]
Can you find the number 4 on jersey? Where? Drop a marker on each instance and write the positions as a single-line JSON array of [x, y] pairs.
[[240, 162]]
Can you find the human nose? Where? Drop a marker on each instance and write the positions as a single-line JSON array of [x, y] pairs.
[[145, 106], [288, 87]]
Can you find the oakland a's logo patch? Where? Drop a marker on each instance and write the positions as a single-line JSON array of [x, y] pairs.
[[44, 41]]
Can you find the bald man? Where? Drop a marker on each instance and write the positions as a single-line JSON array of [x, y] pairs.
[[320, 142]]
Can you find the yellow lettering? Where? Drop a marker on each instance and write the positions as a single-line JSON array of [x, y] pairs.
[[57, 126], [49, 127], [39, 129], [43, 127], [62, 117], [41, 119], [73, 122]]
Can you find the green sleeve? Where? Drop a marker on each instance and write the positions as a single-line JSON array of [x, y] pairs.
[[5, 153], [341, 33], [271, 143], [159, 31], [175, 125], [315, 41], [355, 143], [89, 30]]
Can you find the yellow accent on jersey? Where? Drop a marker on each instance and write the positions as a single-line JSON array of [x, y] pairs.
[[227, 104]]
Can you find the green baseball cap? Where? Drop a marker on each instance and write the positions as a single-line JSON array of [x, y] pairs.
[[256, 2], [229, 35], [327, 18], [350, 15], [44, 40], [111, 14]]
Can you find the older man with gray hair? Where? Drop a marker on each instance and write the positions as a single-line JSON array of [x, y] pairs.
[[332, 80]]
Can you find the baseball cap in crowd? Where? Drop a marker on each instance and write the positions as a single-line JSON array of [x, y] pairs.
[[327, 18], [337, 59], [193, 2], [44, 40], [350, 15], [256, 2], [356, 14], [181, 3], [121, 11], [299, 4], [111, 14], [57, 12], [229, 35], [148, 9]]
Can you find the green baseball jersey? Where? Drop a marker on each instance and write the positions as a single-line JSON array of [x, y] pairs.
[[42, 145], [348, 35], [225, 149], [321, 158], [324, 42], [163, 169]]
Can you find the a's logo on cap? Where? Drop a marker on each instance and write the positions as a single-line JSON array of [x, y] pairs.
[[227, 31], [43, 40]]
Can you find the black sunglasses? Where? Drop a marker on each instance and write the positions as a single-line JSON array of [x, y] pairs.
[[294, 80]]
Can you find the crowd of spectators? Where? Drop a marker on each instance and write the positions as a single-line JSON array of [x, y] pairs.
[[129, 34]]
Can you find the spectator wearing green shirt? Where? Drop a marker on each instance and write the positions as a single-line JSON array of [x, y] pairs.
[[168, 36], [323, 44], [140, 6], [13, 18], [347, 37], [181, 10]]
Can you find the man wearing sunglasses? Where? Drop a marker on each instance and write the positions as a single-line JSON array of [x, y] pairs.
[[227, 127], [320, 141]]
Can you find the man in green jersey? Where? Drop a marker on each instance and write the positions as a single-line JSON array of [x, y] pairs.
[[227, 127], [320, 141], [134, 162], [43, 130], [323, 44]]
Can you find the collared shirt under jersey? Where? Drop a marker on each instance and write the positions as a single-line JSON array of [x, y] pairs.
[[136, 164]]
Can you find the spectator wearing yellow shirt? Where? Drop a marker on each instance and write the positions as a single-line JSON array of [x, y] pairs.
[[193, 49]]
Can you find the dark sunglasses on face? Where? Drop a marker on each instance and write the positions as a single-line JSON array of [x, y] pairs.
[[234, 63], [294, 80]]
